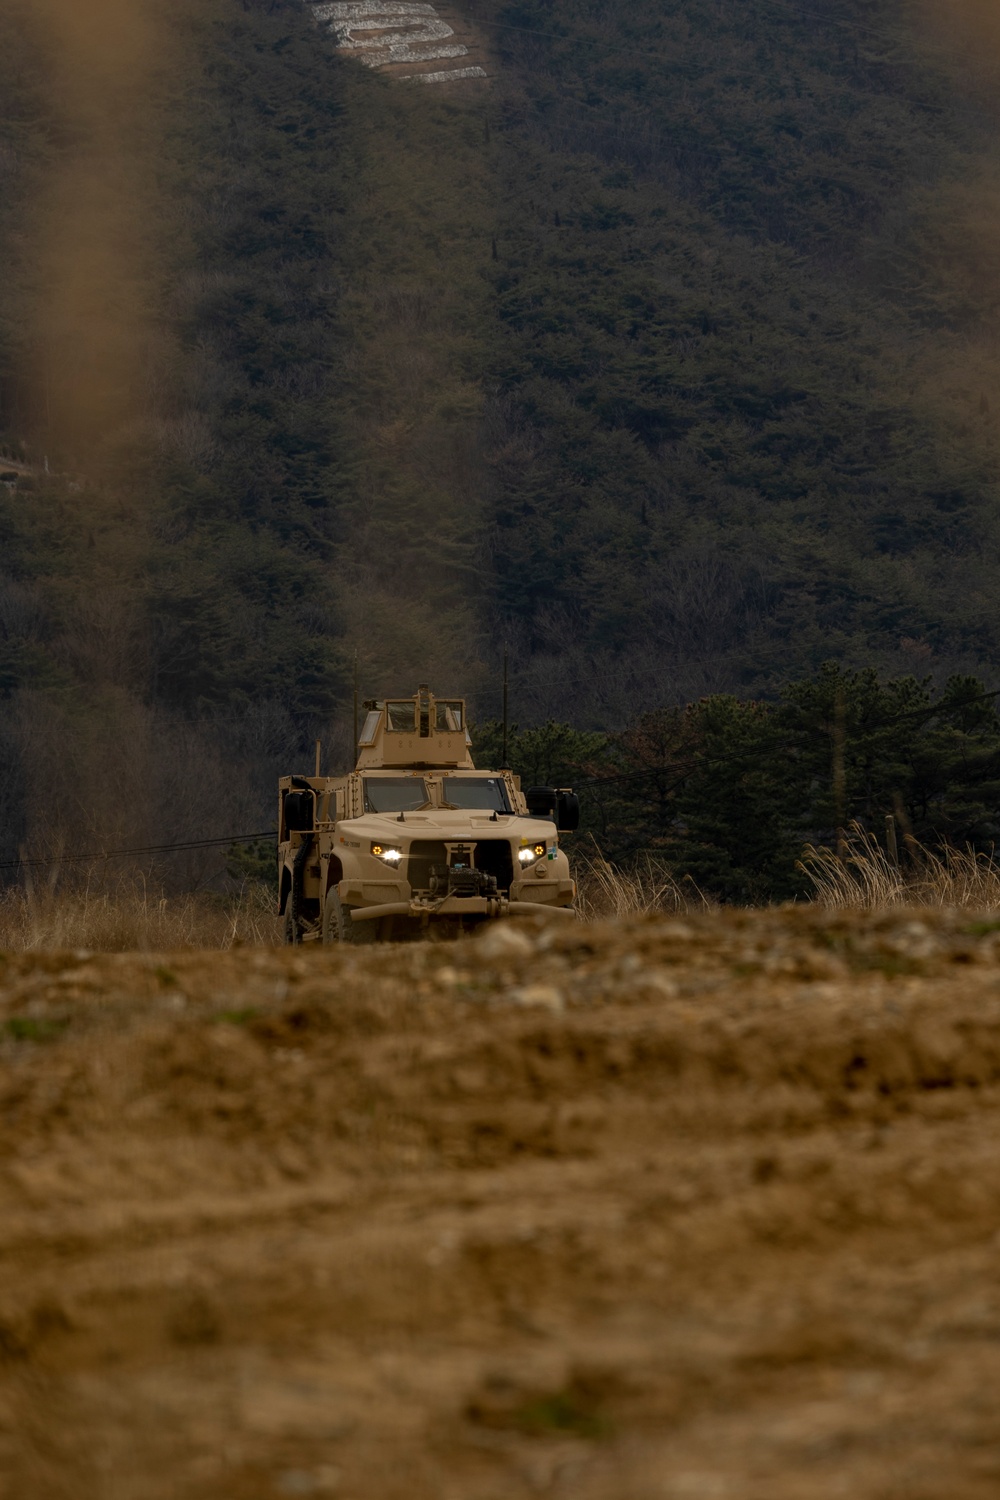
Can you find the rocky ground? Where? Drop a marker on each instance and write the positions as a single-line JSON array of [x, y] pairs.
[[689, 1208]]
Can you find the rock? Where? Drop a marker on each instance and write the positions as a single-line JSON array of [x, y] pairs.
[[679, 931], [502, 940], [296, 1482], [539, 997], [660, 984]]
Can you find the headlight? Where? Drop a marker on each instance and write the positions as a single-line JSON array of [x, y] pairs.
[[383, 851], [530, 853]]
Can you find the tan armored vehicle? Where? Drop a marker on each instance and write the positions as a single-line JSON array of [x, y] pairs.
[[415, 836]]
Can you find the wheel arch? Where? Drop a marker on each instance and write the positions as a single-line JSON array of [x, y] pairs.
[[334, 874]]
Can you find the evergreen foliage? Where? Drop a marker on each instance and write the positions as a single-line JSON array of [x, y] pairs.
[[729, 791], [731, 274], [669, 359], [254, 463]]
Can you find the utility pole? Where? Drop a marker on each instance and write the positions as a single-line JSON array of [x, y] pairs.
[[504, 766], [356, 681], [839, 772]]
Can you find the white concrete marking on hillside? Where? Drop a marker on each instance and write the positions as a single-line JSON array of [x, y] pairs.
[[434, 29], [349, 10], [452, 73], [372, 30], [409, 55], [426, 31]]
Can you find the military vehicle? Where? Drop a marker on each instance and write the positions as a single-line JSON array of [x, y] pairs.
[[415, 840]]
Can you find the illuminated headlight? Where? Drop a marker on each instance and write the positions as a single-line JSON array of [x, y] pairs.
[[383, 851], [530, 853]]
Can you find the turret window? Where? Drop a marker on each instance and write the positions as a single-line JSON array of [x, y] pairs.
[[401, 716], [448, 717], [370, 729]]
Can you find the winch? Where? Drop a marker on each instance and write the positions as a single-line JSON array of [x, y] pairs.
[[459, 877]]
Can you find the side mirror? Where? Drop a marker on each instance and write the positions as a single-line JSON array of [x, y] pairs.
[[567, 811], [563, 807], [298, 811], [541, 801]]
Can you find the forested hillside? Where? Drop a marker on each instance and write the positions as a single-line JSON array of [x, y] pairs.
[[670, 358], [745, 350]]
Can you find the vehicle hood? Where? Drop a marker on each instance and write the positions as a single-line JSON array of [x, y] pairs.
[[440, 823]]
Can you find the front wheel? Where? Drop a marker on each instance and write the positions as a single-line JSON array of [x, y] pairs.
[[338, 926], [290, 931]]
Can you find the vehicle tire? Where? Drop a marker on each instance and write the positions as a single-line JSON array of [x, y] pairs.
[[329, 931], [291, 933], [337, 924]]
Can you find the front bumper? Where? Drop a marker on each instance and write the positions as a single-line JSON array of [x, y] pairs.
[[550, 891], [459, 906]]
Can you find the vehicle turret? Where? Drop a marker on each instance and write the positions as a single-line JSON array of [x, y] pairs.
[[418, 732]]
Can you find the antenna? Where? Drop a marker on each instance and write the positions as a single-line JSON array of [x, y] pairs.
[[319, 749], [503, 759], [355, 708]]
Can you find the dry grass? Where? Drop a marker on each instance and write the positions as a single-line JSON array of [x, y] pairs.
[[865, 878], [131, 917], [643, 886]]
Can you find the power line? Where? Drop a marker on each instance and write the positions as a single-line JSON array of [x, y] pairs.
[[60, 859], [927, 712]]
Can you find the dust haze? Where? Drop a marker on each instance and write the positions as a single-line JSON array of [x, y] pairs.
[[953, 217], [970, 29], [92, 256]]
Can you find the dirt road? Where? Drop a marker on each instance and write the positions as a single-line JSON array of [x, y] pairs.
[[702, 1208]]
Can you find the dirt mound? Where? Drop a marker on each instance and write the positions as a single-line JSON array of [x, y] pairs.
[[699, 1208]]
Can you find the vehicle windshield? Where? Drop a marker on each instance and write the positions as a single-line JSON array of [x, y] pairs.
[[394, 794], [486, 792]]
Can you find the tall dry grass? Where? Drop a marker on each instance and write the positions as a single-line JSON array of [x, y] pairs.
[[131, 917], [866, 878], [643, 886]]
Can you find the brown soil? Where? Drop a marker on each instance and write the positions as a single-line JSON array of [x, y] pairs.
[[700, 1208]]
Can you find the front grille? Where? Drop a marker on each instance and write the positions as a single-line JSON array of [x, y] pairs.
[[494, 856], [491, 855], [424, 853]]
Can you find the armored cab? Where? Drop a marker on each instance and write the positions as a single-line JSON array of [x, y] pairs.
[[416, 835]]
